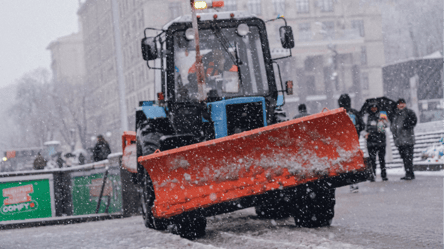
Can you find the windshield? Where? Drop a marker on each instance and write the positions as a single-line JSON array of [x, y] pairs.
[[222, 69]]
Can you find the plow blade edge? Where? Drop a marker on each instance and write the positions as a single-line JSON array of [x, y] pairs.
[[253, 162]]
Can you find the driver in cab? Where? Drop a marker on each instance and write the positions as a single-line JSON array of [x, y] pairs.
[[215, 63]]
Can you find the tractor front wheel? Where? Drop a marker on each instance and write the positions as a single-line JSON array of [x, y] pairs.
[[147, 200]]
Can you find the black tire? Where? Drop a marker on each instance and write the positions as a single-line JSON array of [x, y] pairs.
[[147, 200], [191, 226], [148, 144], [315, 208]]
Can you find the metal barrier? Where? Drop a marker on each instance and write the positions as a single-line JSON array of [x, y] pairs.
[[80, 190], [422, 141]]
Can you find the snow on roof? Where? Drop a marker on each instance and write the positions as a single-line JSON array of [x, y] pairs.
[[51, 143], [434, 55]]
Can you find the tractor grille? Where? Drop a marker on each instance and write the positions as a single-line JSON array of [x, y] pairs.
[[244, 117]]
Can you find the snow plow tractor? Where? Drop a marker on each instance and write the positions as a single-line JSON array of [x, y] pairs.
[[211, 144]]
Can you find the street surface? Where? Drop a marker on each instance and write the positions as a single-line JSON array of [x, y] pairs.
[[393, 214]]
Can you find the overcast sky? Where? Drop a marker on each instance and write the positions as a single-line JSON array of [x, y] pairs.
[[27, 27]]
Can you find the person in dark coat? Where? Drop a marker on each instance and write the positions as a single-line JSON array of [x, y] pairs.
[[403, 123], [39, 162], [60, 160], [302, 111], [81, 159], [376, 144], [101, 149], [344, 101]]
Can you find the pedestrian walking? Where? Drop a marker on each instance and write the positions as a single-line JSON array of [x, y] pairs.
[[403, 123], [302, 108], [344, 101], [39, 162], [101, 149], [81, 159], [60, 160], [376, 140]]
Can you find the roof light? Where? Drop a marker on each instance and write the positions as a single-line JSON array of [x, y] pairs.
[[200, 5], [189, 34], [243, 29]]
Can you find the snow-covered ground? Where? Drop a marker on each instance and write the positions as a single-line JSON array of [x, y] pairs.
[[131, 233], [401, 172], [394, 214]]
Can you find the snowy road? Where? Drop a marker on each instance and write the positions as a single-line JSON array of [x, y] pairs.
[[392, 214]]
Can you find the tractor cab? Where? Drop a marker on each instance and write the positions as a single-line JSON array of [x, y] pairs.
[[233, 59], [239, 90]]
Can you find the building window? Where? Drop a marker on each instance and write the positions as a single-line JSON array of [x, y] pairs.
[[230, 5], [328, 30], [364, 56], [305, 32], [326, 5], [254, 6], [175, 9], [302, 6], [311, 84], [359, 26], [364, 80], [279, 7]]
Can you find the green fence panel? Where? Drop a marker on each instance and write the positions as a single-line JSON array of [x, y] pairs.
[[26, 197], [86, 188]]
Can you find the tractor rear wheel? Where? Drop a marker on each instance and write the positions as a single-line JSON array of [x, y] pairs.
[[315, 208]]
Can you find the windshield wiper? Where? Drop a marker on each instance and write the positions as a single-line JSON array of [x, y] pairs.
[[226, 44]]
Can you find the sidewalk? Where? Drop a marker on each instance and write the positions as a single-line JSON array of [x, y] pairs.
[[401, 172], [57, 220]]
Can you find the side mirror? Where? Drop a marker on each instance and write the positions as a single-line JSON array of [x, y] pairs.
[[289, 87], [149, 49], [287, 39]]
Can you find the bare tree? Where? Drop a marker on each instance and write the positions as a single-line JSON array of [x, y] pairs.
[[33, 109], [70, 100], [46, 110]]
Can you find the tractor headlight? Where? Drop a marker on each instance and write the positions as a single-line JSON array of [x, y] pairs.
[[243, 29], [189, 34]]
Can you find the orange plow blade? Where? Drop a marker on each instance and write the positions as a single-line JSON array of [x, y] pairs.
[[253, 162]]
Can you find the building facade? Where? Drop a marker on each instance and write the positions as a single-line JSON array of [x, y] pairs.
[[67, 58], [338, 49]]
